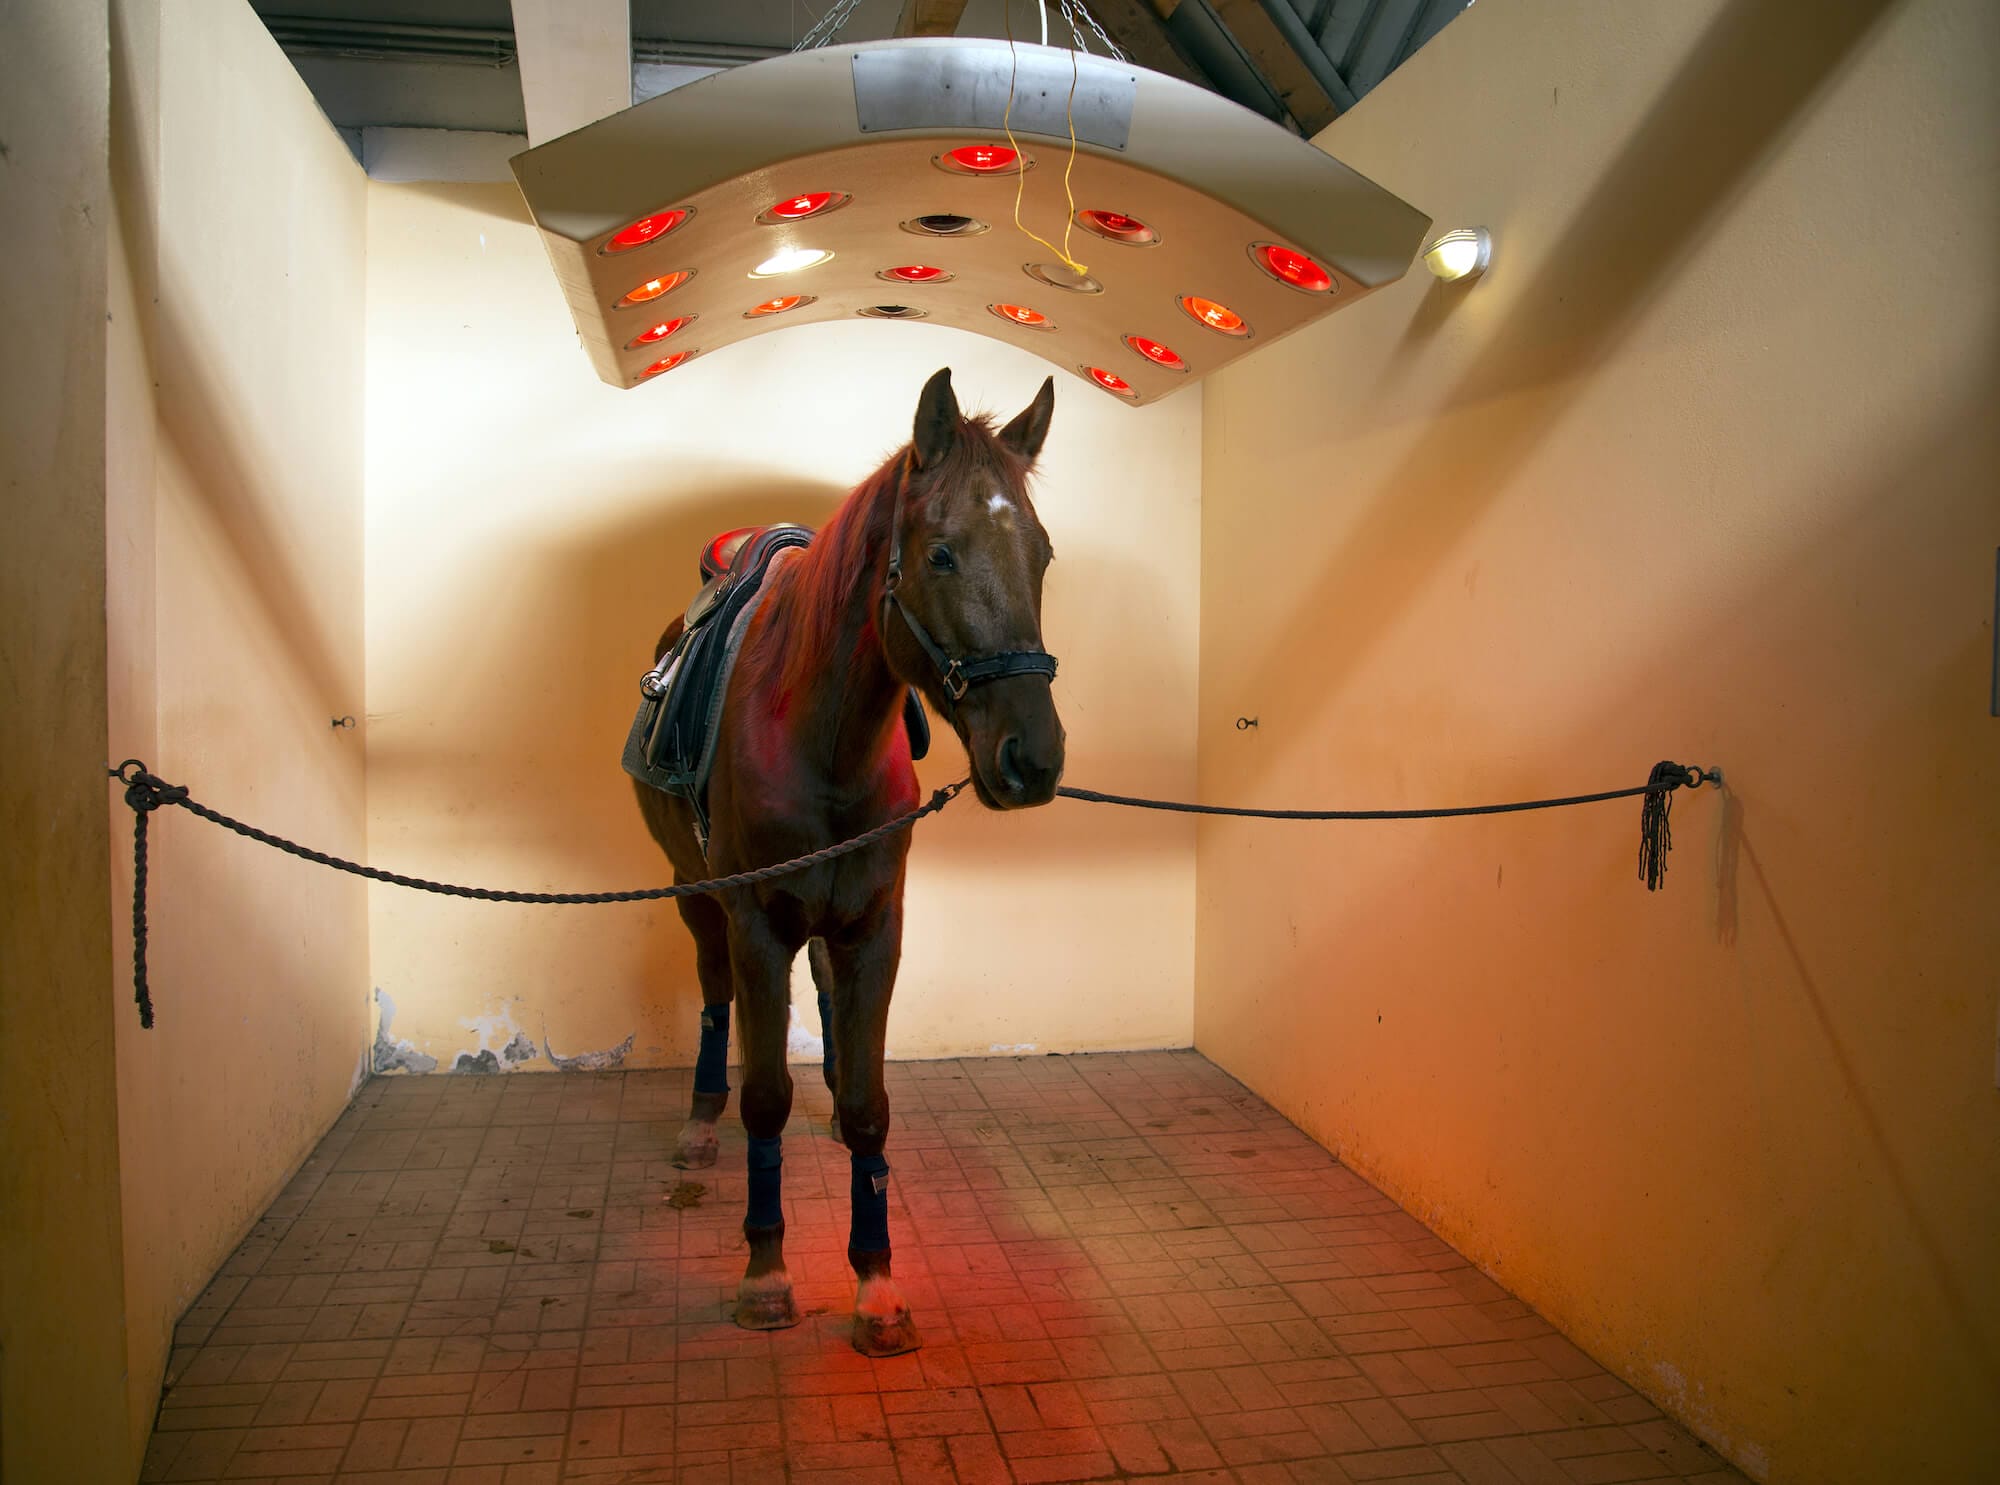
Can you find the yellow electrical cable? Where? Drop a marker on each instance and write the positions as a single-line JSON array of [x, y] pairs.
[[1020, 167]]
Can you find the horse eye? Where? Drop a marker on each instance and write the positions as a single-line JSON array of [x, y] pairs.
[[941, 559]]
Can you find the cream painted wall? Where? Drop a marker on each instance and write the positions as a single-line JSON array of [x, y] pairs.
[[235, 456], [62, 1322], [530, 531], [1706, 468]]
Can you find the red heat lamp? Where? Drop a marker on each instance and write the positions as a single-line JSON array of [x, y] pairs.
[[916, 273], [653, 288], [666, 363], [1217, 317], [779, 305], [646, 229], [980, 159], [798, 208], [1288, 267], [1110, 382], [1020, 314], [1158, 354], [1115, 226], [658, 332]]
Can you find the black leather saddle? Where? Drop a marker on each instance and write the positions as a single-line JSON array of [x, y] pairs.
[[672, 742]]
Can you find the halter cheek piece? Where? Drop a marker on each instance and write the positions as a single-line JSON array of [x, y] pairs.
[[956, 676]]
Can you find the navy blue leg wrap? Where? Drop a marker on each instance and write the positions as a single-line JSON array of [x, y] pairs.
[[767, 1177], [711, 1064], [826, 1036], [869, 1231]]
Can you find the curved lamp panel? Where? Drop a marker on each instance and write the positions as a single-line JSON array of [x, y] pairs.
[[845, 175]]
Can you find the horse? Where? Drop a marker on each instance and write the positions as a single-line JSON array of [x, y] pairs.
[[928, 576]]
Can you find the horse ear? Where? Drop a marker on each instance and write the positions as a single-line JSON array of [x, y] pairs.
[[1028, 430], [937, 420]]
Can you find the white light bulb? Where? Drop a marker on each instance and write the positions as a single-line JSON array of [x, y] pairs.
[[791, 260], [1460, 254]]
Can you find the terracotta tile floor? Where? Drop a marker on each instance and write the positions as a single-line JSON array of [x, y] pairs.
[[1124, 1266]]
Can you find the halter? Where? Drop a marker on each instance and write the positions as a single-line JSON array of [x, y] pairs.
[[955, 675]]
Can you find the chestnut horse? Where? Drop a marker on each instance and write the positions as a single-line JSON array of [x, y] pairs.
[[929, 575]]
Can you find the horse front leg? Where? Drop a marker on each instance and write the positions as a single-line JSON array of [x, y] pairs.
[[761, 967], [709, 925], [864, 974]]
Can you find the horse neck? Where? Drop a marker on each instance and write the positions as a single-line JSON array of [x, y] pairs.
[[844, 696]]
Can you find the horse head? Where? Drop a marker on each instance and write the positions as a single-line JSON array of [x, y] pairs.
[[962, 603]]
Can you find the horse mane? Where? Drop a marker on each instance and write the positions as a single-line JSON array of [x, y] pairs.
[[824, 578]]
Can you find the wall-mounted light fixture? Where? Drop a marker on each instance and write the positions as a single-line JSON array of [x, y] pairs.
[[1460, 254], [1206, 230]]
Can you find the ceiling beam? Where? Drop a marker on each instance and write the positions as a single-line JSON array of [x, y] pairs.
[[1308, 97], [1139, 28], [576, 62], [929, 18]]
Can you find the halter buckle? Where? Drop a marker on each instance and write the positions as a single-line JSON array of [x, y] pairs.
[[954, 682]]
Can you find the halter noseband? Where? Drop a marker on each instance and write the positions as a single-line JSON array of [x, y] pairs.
[[956, 676]]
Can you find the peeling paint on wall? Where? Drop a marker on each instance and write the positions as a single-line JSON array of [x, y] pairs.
[[605, 1061], [492, 1054], [1011, 1049], [397, 1056]]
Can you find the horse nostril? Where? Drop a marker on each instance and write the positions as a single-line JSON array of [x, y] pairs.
[[1010, 764]]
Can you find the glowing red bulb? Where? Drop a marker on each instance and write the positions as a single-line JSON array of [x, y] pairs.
[[915, 273], [778, 306], [1293, 268], [653, 288], [645, 230], [666, 363], [658, 332], [1109, 381], [1020, 314], [1158, 354], [801, 206], [1217, 317], [982, 159], [1117, 226]]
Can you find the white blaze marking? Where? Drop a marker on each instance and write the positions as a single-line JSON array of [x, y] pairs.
[[997, 503]]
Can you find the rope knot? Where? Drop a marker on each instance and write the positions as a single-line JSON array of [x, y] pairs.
[[145, 793]]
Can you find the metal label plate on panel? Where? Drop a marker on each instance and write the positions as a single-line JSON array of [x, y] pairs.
[[957, 87]]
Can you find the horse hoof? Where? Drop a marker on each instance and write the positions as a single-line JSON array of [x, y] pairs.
[[697, 1145], [765, 1303], [885, 1335], [882, 1323]]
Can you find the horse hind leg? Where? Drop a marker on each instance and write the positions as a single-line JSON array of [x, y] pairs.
[[697, 1145], [821, 960]]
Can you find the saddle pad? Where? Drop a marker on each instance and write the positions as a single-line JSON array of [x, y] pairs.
[[672, 742]]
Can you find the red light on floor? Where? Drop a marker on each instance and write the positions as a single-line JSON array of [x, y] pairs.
[[645, 230], [981, 159], [1158, 354], [778, 306], [1109, 381], [657, 332], [1116, 226], [1217, 317], [1020, 314], [915, 273], [1288, 267], [653, 288], [798, 208], [666, 363]]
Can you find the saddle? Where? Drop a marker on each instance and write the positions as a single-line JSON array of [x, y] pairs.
[[671, 746]]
